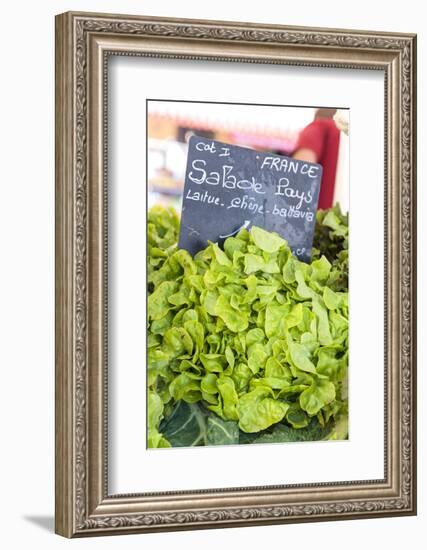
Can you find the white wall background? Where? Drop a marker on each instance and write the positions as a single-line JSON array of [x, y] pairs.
[[27, 274]]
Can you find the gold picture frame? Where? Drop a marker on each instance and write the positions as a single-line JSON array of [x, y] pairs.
[[83, 43]]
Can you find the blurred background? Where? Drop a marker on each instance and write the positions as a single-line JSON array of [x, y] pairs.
[[316, 135]]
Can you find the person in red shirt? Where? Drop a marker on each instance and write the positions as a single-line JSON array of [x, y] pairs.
[[319, 142]]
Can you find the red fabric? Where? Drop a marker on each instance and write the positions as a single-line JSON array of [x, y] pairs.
[[322, 137]]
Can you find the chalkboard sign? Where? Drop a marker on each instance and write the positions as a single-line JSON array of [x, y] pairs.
[[228, 188]]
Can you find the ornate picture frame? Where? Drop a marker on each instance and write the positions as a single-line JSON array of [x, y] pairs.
[[84, 42]]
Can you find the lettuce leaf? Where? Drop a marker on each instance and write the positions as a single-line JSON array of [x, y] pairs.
[[282, 433], [186, 426]]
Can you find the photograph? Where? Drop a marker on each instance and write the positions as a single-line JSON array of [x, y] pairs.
[[247, 273], [235, 273]]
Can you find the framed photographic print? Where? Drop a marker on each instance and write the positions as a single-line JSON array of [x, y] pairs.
[[235, 274]]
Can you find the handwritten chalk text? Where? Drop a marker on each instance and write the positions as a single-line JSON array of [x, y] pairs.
[[225, 178], [284, 164], [283, 188]]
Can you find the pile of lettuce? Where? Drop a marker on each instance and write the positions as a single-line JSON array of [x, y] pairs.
[[331, 240], [246, 344]]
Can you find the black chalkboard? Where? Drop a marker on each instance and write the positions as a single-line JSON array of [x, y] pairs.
[[229, 187]]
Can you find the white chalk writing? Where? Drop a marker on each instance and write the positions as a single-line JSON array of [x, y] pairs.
[[284, 164], [225, 178]]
